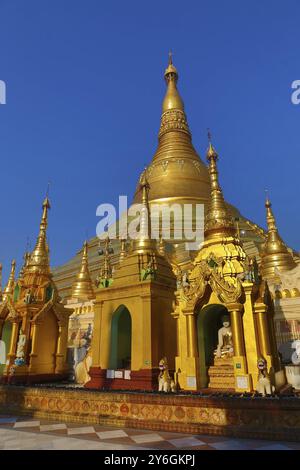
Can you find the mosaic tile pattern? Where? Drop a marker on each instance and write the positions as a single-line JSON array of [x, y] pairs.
[[20, 433], [270, 418]]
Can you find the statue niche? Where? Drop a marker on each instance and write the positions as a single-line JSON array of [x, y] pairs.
[[221, 374], [215, 344]]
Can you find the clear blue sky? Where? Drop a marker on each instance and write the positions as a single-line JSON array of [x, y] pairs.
[[84, 90]]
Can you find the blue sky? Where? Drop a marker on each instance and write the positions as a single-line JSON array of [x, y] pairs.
[[84, 91]]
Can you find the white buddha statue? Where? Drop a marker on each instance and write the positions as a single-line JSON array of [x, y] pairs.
[[21, 345], [296, 354], [225, 342], [2, 352]]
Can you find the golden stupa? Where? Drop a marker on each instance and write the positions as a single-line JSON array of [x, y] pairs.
[[176, 174], [218, 222], [9, 288], [275, 256], [82, 288], [175, 159], [34, 319], [152, 300]]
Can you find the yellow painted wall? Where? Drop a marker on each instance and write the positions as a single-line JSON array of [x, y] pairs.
[[46, 344]]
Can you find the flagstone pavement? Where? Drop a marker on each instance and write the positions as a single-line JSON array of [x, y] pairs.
[[20, 433]]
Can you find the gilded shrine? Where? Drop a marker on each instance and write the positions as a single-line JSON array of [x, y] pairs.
[[129, 313]]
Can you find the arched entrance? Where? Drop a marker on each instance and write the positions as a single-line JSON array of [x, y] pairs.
[[209, 321], [5, 345], [121, 332]]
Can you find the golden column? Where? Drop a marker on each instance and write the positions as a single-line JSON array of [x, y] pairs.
[[96, 342], [1, 326], [60, 364], [250, 332], [263, 332], [176, 318], [34, 348], [191, 331], [13, 344], [242, 378], [235, 311], [188, 360], [104, 346]]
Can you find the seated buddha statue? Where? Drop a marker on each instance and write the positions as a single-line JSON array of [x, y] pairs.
[[225, 342]]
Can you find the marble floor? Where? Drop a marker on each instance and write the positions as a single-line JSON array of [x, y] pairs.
[[20, 433]]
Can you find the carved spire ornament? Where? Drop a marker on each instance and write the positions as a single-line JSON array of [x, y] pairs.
[[144, 243], [218, 221], [105, 277], [161, 246], [39, 258], [123, 250], [26, 259], [82, 288], [9, 289], [172, 99], [275, 254]]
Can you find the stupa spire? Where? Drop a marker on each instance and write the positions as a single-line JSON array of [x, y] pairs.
[[83, 287], [26, 259], [173, 116], [271, 223], [123, 250], [39, 258], [144, 243], [172, 98], [176, 171], [218, 221], [275, 254], [9, 289], [161, 246], [107, 270]]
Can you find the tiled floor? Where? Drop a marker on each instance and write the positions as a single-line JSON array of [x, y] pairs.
[[25, 433]]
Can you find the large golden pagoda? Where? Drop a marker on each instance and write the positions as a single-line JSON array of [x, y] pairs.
[[176, 174], [152, 301], [175, 159]]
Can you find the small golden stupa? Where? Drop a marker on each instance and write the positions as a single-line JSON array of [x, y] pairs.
[[275, 254], [9, 288], [82, 288], [34, 319], [133, 327]]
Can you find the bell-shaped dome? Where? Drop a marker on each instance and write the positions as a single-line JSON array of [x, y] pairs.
[[82, 288]]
